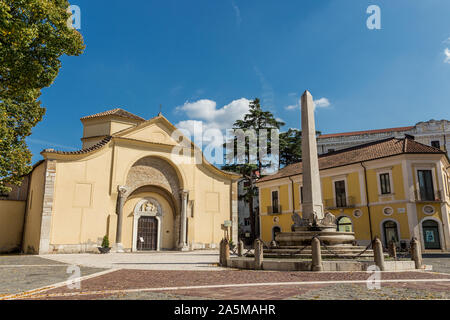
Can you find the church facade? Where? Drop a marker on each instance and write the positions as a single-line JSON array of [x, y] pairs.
[[129, 184]]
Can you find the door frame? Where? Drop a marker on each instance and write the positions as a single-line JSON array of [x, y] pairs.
[[440, 230], [138, 212], [385, 242]]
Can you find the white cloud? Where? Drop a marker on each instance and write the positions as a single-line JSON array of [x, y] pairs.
[[319, 103], [322, 103], [206, 123], [206, 110], [292, 107], [237, 12], [447, 55]]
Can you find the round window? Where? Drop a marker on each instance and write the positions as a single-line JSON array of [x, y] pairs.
[[276, 219], [428, 209], [388, 211], [357, 213]]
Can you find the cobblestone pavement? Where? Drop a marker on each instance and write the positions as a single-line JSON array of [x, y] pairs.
[[361, 292], [20, 273], [249, 285], [148, 275]]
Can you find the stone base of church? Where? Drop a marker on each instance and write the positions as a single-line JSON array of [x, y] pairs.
[[93, 248], [74, 248]]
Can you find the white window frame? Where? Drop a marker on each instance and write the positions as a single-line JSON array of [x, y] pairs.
[[333, 181], [431, 167], [391, 181], [272, 190]]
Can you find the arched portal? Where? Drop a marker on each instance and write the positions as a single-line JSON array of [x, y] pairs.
[[431, 236], [152, 178], [390, 232]]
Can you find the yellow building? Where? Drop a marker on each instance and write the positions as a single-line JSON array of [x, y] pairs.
[[135, 180], [394, 189]]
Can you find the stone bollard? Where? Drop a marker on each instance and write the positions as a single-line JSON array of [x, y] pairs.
[[378, 254], [392, 250], [416, 253], [226, 252], [316, 255], [221, 252], [259, 254], [240, 248]]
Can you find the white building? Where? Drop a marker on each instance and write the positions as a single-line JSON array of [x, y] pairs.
[[244, 212], [434, 133]]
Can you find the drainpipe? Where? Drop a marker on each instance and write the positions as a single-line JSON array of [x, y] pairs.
[[293, 195], [367, 201]]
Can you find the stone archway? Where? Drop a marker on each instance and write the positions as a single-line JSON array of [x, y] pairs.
[[157, 173], [147, 208]]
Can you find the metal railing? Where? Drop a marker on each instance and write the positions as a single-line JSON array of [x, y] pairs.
[[345, 202], [438, 196], [274, 210]]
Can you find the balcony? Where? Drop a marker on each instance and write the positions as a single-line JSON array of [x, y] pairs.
[[439, 196], [348, 202], [274, 210]]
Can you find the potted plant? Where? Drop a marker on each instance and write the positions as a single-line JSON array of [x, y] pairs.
[[105, 245]]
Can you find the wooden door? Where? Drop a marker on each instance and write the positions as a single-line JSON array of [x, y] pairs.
[[147, 234]]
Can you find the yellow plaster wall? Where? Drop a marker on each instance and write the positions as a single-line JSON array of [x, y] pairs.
[[33, 212], [93, 129], [82, 202], [267, 223], [437, 211], [117, 126], [11, 224]]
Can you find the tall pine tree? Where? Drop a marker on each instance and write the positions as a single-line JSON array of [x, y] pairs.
[[256, 119]]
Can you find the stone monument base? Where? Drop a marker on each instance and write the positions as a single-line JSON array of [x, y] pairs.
[[303, 236]]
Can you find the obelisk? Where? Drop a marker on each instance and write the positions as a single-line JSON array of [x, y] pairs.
[[312, 206]]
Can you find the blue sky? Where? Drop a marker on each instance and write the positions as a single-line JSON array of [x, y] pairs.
[[197, 57]]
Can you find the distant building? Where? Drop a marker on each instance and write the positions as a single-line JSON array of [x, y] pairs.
[[395, 189], [245, 226], [434, 133]]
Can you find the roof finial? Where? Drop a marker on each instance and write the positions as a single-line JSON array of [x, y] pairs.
[[160, 110]]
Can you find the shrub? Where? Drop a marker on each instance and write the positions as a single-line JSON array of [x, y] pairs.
[[105, 242]]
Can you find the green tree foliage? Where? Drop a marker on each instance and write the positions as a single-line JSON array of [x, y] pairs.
[[33, 36], [290, 147]]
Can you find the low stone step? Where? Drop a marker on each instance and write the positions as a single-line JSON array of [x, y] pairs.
[[331, 247], [308, 256], [308, 251]]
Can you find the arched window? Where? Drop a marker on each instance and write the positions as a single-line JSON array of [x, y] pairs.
[[431, 234], [275, 230], [344, 224], [390, 232]]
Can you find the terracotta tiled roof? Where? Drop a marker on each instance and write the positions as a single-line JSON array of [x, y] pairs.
[[82, 151], [369, 151], [115, 112], [357, 133]]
